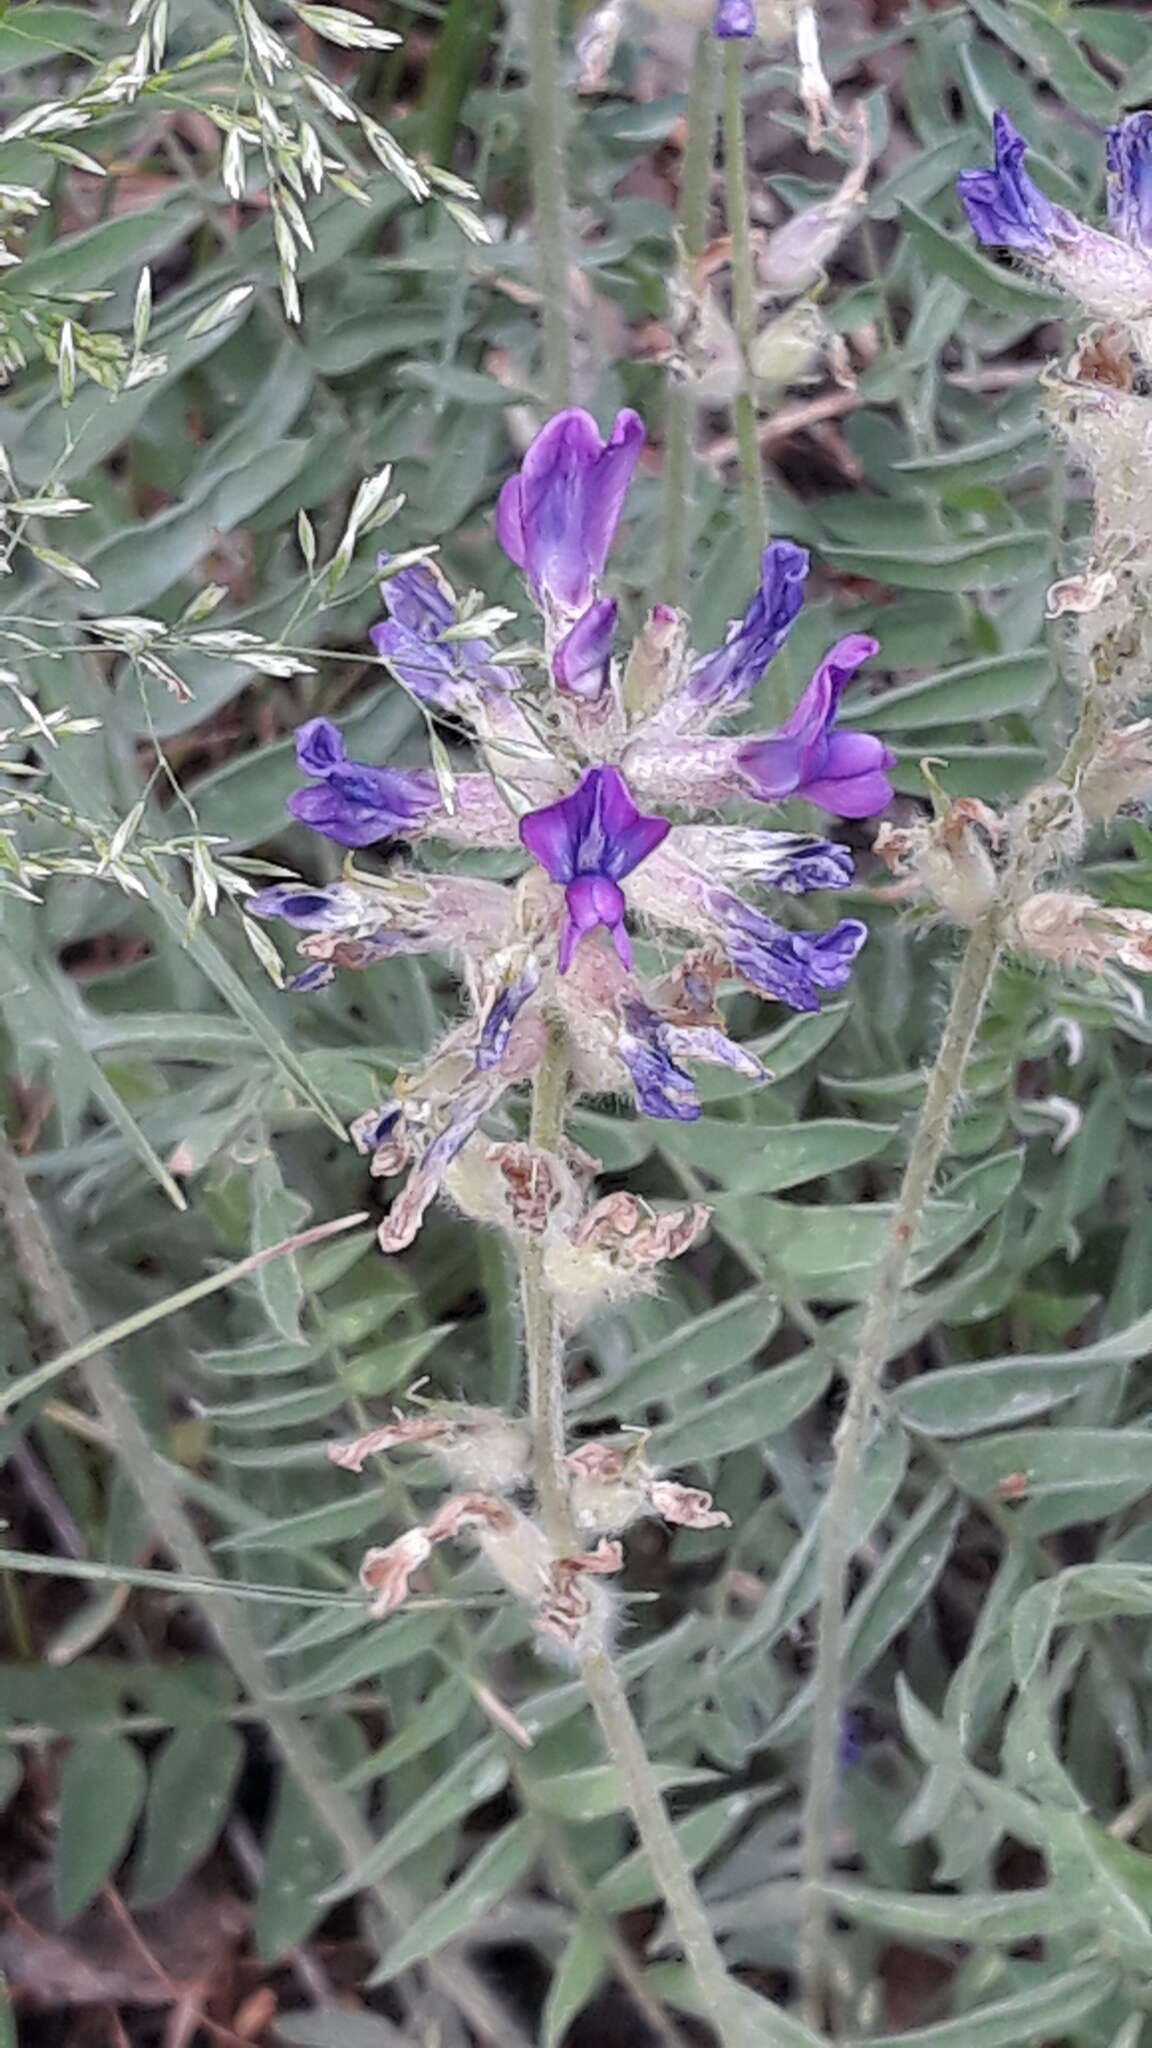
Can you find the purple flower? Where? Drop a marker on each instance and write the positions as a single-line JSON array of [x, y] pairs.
[[662, 1088], [502, 1012], [588, 842], [336, 908], [1005, 207], [788, 966], [444, 673], [353, 803], [1129, 157], [720, 680], [734, 18], [557, 515], [843, 771], [583, 658]]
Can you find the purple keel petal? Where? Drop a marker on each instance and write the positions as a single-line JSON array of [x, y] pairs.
[[850, 780], [582, 661], [313, 910], [861, 796], [593, 900], [831, 954], [319, 746]]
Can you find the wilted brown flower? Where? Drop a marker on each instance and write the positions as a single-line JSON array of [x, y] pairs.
[[1064, 925]]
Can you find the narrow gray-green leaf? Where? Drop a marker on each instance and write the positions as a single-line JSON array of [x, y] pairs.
[[102, 1785]]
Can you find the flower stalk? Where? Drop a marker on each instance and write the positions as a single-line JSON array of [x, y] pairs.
[[547, 133], [929, 1140], [622, 1739], [743, 297], [680, 418], [543, 1336]]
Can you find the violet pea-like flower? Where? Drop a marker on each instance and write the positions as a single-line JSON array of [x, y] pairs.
[[588, 842], [734, 18], [1005, 207], [557, 515], [1110, 274], [446, 673], [351, 802], [843, 771], [1128, 153], [789, 966], [718, 681]]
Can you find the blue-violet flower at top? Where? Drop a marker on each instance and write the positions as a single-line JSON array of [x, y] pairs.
[[1005, 206], [843, 771], [446, 673], [734, 18], [719, 680], [557, 515], [1128, 151], [350, 802], [588, 842]]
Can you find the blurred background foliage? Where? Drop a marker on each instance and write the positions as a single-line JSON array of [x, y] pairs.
[[190, 574]]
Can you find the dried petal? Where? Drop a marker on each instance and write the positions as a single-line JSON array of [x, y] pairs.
[[689, 1507], [532, 1181], [387, 1572], [405, 1429]]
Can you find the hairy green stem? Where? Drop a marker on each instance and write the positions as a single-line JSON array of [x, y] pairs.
[[945, 1082], [680, 411], [738, 2022], [547, 138], [59, 1309], [543, 1336], [609, 1700], [743, 301]]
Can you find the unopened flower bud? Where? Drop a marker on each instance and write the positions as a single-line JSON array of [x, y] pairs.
[[656, 662], [787, 350], [949, 857]]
